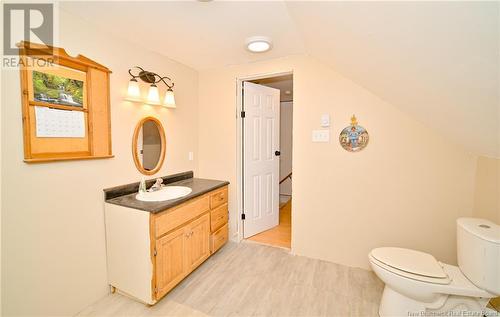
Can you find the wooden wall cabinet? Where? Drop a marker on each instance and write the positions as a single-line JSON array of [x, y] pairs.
[[149, 254], [92, 109]]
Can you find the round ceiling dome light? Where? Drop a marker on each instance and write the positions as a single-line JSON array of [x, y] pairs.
[[258, 44]]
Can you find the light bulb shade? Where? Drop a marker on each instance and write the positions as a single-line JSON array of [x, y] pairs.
[[169, 100], [153, 95], [133, 91]]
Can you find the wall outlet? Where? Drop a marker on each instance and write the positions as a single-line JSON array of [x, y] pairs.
[[321, 136], [190, 156]]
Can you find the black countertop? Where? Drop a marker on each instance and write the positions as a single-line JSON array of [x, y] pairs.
[[125, 195]]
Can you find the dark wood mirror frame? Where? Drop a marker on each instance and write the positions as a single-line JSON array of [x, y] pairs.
[[135, 154]]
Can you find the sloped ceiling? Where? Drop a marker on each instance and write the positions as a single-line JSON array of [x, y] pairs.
[[436, 61]]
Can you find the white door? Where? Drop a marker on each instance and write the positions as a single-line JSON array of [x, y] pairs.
[[261, 140]]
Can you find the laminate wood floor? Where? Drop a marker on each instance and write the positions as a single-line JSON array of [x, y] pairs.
[[281, 235], [247, 279]]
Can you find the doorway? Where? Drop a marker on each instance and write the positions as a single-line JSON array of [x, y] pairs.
[[267, 105]]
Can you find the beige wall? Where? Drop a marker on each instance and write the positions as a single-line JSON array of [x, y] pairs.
[[53, 247], [405, 189], [487, 193]]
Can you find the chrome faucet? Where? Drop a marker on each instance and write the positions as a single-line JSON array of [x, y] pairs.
[[157, 185]]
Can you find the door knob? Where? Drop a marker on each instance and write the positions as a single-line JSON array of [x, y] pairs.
[[277, 153]]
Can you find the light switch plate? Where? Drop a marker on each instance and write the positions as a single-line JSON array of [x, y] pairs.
[[190, 156], [321, 136], [325, 120]]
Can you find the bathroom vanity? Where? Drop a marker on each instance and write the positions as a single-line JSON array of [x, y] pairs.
[[152, 246]]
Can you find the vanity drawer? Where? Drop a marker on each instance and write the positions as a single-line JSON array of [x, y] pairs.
[[219, 238], [218, 217], [171, 219], [218, 198]]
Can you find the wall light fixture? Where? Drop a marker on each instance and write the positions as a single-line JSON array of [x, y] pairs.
[[134, 93]]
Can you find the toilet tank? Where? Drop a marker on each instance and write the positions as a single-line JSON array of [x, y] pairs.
[[478, 252]]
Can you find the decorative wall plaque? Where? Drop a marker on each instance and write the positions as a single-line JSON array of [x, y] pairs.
[[354, 138]]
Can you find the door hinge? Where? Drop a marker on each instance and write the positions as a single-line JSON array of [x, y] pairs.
[[243, 114], [154, 252], [243, 216]]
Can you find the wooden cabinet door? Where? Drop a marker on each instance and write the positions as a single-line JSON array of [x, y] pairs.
[[198, 242], [170, 261]]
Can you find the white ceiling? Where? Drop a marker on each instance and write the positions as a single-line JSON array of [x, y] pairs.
[[437, 61], [198, 34]]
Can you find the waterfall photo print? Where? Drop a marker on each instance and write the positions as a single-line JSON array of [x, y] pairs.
[[57, 89]]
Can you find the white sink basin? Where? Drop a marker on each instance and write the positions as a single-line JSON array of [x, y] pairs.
[[166, 193]]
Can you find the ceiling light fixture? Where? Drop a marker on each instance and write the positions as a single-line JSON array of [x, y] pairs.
[[153, 94], [258, 44]]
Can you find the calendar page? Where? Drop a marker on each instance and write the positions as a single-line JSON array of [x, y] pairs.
[[55, 123]]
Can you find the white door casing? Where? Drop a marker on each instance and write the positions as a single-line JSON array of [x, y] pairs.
[[261, 138]]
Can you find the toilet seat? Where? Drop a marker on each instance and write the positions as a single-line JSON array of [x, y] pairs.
[[412, 264], [456, 284]]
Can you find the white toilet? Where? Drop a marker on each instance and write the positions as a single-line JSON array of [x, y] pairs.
[[416, 284]]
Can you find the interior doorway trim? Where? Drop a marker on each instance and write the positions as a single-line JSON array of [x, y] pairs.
[[239, 140]]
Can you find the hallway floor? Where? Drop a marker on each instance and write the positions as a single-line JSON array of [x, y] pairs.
[[281, 235], [248, 279]]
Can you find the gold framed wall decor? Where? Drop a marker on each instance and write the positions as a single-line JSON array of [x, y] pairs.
[[354, 137], [65, 105]]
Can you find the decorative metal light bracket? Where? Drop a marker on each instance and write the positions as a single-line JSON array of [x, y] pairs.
[[150, 77]]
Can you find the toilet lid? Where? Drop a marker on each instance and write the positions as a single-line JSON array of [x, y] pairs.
[[411, 261]]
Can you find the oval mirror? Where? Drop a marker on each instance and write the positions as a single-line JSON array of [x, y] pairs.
[[148, 146]]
